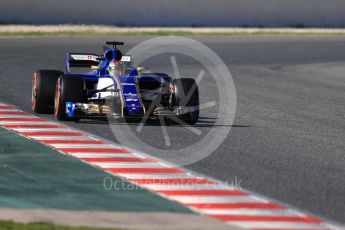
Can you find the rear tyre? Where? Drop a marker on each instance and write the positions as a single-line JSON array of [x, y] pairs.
[[43, 90], [186, 93], [68, 89]]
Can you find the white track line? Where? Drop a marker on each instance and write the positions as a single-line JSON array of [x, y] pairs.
[[156, 176], [214, 199], [10, 110], [161, 187], [16, 116], [80, 154], [103, 155], [250, 212], [39, 138], [276, 225], [128, 165], [86, 146], [35, 130], [26, 123]]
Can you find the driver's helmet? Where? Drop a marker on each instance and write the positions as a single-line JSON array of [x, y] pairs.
[[114, 57]]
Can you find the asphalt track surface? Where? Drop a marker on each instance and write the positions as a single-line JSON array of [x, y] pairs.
[[287, 140]]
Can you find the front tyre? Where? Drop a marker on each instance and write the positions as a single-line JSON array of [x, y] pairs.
[[68, 89], [186, 93], [43, 90]]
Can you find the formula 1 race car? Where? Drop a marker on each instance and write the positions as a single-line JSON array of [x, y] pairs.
[[113, 87]]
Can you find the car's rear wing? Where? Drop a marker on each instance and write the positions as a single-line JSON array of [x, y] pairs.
[[81, 60]]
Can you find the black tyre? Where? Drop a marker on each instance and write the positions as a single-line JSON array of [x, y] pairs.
[[68, 89], [43, 90], [186, 93]]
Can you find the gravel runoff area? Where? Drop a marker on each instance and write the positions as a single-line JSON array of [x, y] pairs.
[[103, 29], [125, 220]]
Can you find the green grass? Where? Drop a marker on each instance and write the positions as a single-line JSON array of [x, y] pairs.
[[165, 33], [10, 225]]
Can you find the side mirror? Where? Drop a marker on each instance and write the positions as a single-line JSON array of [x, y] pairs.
[[141, 69], [95, 67]]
